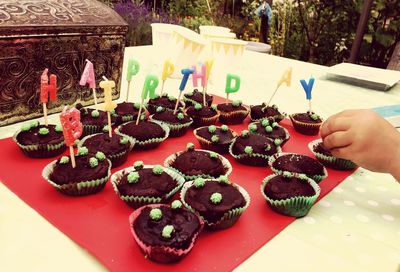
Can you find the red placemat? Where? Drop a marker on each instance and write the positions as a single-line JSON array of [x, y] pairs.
[[99, 222]]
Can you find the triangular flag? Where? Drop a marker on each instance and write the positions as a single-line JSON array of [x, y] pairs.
[[218, 47], [235, 48], [226, 48], [286, 78], [194, 47], [186, 43]]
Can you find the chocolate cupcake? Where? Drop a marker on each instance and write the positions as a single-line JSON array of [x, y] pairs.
[[325, 157], [259, 112], [254, 149], [289, 194], [165, 101], [217, 201], [115, 148], [196, 97], [215, 138], [165, 233], [146, 184], [88, 177], [40, 141], [177, 123], [126, 112], [192, 163], [298, 164], [270, 129], [232, 113], [306, 123], [146, 134], [92, 120], [203, 115]]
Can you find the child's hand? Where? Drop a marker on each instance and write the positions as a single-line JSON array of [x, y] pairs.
[[365, 138]]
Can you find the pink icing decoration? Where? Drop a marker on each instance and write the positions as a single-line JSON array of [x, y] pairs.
[[88, 76], [72, 126], [202, 75]]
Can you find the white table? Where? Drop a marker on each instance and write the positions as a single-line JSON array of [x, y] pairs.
[[356, 227]]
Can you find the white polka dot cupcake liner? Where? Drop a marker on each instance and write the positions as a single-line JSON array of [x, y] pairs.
[[331, 161], [298, 206]]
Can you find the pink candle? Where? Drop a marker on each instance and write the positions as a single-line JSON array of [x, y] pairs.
[[72, 126]]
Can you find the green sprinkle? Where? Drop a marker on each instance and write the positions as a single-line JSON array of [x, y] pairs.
[[213, 155], [58, 128], [26, 127], [100, 156], [287, 174], [223, 179], [76, 142], [314, 116], [106, 128], [265, 122], [34, 124], [82, 151], [268, 129], [190, 146], [215, 139], [155, 214], [124, 140], [248, 150], [167, 231], [245, 133], [216, 198], [95, 114], [212, 129], [198, 106], [189, 94], [302, 177], [93, 162], [171, 98], [275, 124], [156, 96], [136, 105], [253, 127], [142, 117], [237, 103], [224, 128], [180, 116], [278, 142], [138, 165], [176, 204], [159, 109], [267, 147], [44, 131], [64, 160], [133, 177], [113, 112], [199, 182], [214, 107], [158, 170]]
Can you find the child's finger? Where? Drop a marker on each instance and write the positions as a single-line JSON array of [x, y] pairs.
[[334, 124], [337, 140], [342, 152]]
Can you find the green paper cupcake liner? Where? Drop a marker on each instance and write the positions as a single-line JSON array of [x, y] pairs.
[[91, 129], [305, 128], [40, 150], [234, 117], [331, 161], [205, 121], [175, 130], [287, 137], [190, 102], [171, 158], [116, 159], [138, 201], [253, 159], [316, 178], [147, 144], [297, 206], [76, 188], [216, 147], [229, 218]]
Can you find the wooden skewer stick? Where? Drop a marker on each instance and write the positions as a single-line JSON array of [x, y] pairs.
[[45, 114], [177, 102], [71, 154], [140, 111]]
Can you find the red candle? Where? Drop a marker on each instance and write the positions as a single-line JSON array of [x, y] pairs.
[[72, 126]]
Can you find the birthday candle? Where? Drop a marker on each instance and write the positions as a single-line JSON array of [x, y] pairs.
[[87, 76], [202, 75], [72, 127], [133, 69], [149, 87], [107, 86], [308, 87], [53, 88], [44, 84], [209, 65], [186, 73], [286, 77], [168, 69], [229, 88]]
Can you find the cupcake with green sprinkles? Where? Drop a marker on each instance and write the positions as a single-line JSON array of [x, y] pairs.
[[196, 97], [290, 194], [177, 123], [126, 112], [93, 120], [203, 115], [89, 176], [254, 149], [141, 184], [218, 202], [165, 101], [40, 141], [306, 123], [165, 233], [215, 138], [325, 157], [193, 163], [270, 129], [232, 113], [116, 148], [260, 112]]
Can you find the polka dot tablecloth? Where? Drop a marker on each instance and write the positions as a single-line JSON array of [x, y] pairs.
[[354, 228]]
